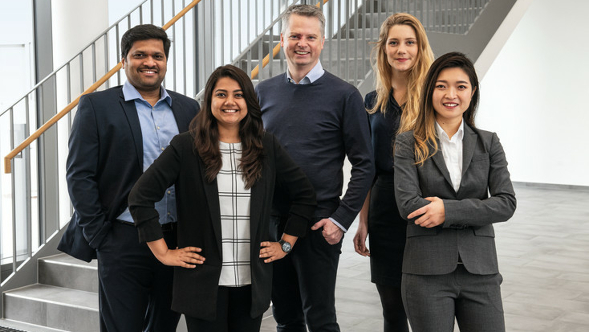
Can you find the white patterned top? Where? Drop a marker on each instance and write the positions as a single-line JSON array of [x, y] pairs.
[[234, 201]]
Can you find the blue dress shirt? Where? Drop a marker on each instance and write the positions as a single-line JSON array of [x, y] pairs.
[[158, 127]]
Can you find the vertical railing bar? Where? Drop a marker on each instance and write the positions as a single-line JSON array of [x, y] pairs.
[[330, 32], [42, 175], [175, 48], [364, 41], [93, 62], [249, 61], [163, 13], [141, 14], [82, 71], [231, 30], [347, 15], [119, 50], [240, 37], [13, 188], [249, 23], [150, 12], [68, 83], [358, 18], [260, 60], [28, 179], [184, 71], [222, 42], [106, 58], [339, 39], [270, 52]]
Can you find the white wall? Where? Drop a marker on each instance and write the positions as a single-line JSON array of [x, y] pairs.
[[16, 42], [534, 95]]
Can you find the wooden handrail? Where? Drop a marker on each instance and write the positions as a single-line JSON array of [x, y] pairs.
[[275, 51], [68, 108]]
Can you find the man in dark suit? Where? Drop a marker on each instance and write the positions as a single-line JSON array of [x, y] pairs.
[[116, 135]]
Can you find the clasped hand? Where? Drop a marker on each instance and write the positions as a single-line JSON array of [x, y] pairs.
[[432, 215]]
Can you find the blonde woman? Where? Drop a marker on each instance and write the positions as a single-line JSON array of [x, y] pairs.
[[403, 56]]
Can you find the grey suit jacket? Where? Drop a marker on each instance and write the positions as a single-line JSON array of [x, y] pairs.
[[485, 197]]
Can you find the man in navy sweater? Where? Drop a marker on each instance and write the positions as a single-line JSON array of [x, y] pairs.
[[319, 119]]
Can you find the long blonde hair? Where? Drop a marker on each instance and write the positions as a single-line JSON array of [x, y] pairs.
[[384, 72]]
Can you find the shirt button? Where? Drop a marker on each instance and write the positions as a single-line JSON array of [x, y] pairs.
[[169, 192], [168, 213], [163, 149], [158, 127]]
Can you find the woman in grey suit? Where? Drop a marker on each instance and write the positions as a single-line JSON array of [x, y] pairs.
[[452, 185]]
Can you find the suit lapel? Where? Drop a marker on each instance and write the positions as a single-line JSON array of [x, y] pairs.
[[181, 122], [468, 145], [441, 164], [133, 119], [212, 195]]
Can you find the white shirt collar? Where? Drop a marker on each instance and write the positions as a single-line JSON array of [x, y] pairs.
[[314, 74], [458, 136]]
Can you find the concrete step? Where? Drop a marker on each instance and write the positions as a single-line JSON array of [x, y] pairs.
[[53, 307], [65, 271], [20, 326]]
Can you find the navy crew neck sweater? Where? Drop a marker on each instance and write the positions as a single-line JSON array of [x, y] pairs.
[[319, 124]]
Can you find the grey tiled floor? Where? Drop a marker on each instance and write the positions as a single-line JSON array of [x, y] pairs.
[[543, 257]]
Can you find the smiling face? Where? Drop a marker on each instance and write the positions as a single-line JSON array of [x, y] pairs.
[[452, 95], [401, 47], [145, 65], [302, 43], [228, 104]]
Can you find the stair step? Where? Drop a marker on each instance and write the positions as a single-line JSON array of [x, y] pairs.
[[20, 326], [54, 307], [65, 271]]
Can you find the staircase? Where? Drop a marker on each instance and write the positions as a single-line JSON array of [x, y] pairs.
[[64, 299]]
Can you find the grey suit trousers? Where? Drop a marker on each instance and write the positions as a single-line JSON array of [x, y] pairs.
[[432, 301]]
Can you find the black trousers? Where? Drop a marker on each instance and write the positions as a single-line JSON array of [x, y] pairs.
[[233, 313], [303, 285], [135, 289]]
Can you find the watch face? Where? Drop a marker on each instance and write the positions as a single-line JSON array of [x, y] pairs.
[[286, 247]]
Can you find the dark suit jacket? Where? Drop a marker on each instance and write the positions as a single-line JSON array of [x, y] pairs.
[[105, 160], [485, 197], [199, 219]]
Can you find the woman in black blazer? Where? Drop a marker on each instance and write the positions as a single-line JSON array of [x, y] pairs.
[[452, 184], [225, 170]]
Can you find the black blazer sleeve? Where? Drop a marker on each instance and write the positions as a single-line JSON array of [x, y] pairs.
[[82, 173], [151, 188]]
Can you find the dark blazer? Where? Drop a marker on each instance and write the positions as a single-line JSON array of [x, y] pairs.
[[105, 160], [199, 219], [485, 197]]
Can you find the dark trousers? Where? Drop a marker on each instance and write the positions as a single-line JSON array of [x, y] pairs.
[[135, 289], [303, 285], [393, 312], [432, 301], [233, 313]]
